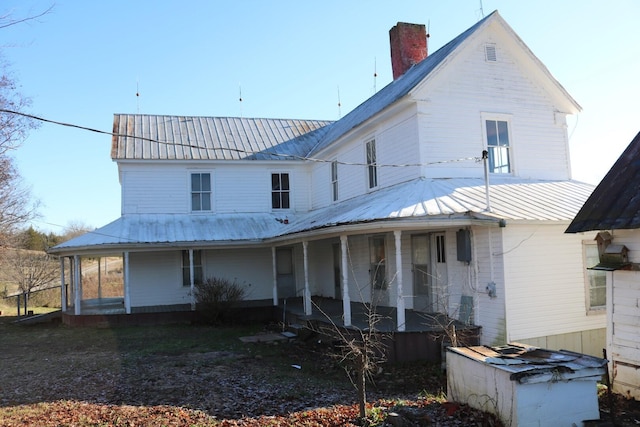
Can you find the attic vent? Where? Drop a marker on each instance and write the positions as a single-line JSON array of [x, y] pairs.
[[490, 52]]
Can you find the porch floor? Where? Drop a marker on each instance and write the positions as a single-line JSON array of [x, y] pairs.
[[329, 309]]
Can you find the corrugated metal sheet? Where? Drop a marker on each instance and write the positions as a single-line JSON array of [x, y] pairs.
[[511, 199], [615, 203], [152, 137]]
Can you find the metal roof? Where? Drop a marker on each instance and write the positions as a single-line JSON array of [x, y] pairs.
[[157, 137], [532, 364], [421, 199], [615, 203]]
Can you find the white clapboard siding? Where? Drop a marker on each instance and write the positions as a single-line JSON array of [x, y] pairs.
[[149, 189], [451, 108], [246, 267], [490, 312], [546, 283], [156, 279]]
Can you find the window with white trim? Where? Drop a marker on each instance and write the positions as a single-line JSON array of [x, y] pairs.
[[596, 280], [498, 146], [198, 275], [372, 166], [201, 191], [280, 191], [334, 180]]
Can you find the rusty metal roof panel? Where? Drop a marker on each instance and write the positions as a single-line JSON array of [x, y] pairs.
[[155, 137], [528, 364], [615, 203]]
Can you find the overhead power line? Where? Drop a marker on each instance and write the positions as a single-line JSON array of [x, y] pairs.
[[236, 150]]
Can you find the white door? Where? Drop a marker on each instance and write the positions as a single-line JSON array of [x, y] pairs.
[[284, 270]]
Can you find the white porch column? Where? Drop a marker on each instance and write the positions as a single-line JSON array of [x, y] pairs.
[[99, 280], [63, 288], [77, 299], [127, 285], [307, 291], [274, 268], [192, 281], [400, 304], [346, 302]]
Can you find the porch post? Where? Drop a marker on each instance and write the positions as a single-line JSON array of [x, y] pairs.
[[400, 304], [307, 291], [99, 280], [192, 281], [63, 288], [346, 302], [77, 300], [127, 285], [274, 268]]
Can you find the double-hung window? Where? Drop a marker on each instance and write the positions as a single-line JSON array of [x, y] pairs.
[[280, 191], [198, 275], [372, 163], [334, 180], [200, 191], [498, 146], [596, 280]]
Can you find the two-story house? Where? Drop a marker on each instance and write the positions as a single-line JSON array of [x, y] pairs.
[[449, 186]]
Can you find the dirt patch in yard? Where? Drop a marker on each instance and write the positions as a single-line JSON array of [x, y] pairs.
[[199, 375]]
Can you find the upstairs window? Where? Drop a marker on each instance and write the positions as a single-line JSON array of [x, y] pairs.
[[334, 180], [596, 280], [372, 166], [200, 191], [498, 146], [280, 191], [198, 275]]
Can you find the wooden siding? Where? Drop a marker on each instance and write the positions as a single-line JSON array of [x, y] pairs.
[[156, 279], [452, 103], [544, 273], [249, 268], [488, 266], [165, 188]]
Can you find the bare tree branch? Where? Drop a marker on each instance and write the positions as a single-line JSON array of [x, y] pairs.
[[11, 22]]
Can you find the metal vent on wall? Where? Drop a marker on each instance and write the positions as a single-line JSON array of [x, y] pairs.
[[490, 52]]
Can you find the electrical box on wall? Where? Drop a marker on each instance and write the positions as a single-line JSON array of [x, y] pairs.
[[463, 240]]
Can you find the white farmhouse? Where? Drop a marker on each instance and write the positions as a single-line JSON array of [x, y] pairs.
[[447, 191]]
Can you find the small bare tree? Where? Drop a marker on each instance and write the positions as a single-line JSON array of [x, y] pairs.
[[30, 270], [359, 350]]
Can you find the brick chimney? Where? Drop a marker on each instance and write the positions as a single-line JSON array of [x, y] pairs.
[[408, 46]]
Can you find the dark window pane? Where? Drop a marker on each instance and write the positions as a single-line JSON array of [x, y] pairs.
[[285, 200], [275, 200], [275, 181], [206, 201], [206, 182], [492, 133], [195, 202], [284, 181], [195, 182]]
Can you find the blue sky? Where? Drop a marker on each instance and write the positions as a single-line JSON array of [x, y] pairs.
[[86, 60]]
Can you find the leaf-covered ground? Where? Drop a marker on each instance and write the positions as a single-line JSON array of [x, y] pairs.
[[189, 375]]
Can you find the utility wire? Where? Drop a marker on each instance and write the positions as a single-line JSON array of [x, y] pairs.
[[236, 150]]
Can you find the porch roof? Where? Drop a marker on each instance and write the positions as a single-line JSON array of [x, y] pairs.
[[421, 199]]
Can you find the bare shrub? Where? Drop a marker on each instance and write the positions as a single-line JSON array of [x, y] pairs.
[[216, 297]]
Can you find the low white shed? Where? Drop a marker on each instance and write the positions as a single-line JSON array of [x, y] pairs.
[[526, 386]]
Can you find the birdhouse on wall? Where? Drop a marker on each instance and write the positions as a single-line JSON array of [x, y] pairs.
[[603, 239], [612, 256]]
